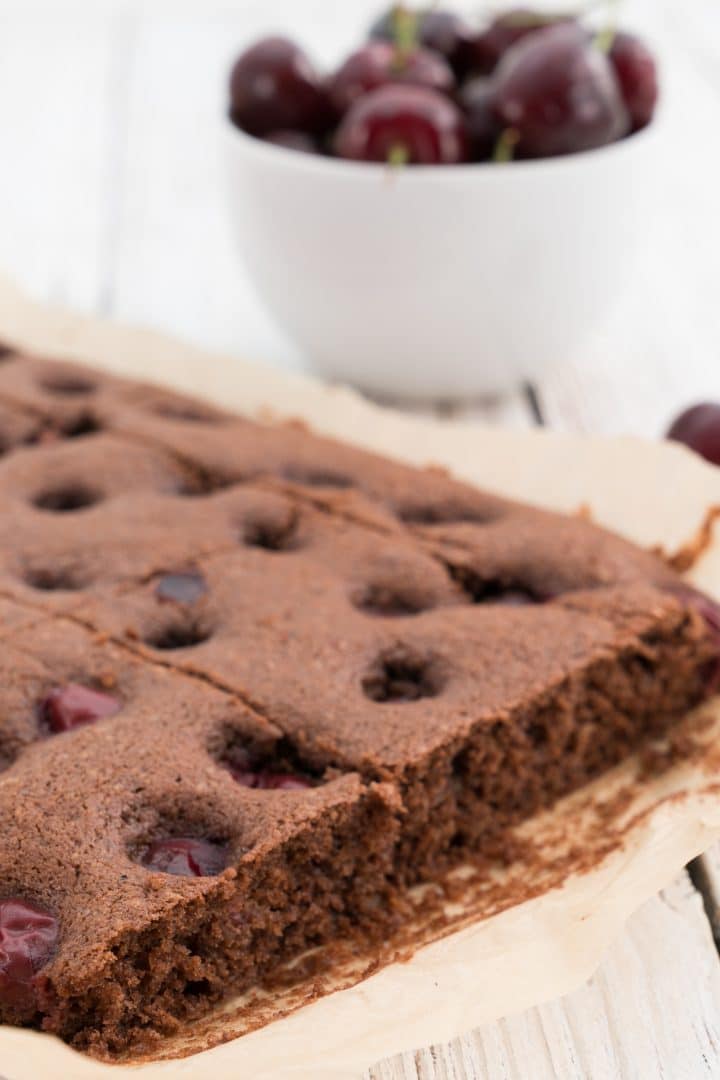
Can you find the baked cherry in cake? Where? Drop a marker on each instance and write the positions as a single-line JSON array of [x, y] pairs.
[[73, 706], [181, 588], [28, 936], [250, 774], [710, 610], [185, 856]]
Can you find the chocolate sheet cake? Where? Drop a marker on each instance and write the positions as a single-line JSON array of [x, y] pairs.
[[254, 683]]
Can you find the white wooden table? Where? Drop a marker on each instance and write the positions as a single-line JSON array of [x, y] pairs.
[[111, 201]]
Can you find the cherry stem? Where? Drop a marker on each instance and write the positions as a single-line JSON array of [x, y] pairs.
[[547, 18], [398, 156], [505, 146], [605, 38], [406, 29]]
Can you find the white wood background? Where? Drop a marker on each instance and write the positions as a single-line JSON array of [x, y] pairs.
[[111, 201]]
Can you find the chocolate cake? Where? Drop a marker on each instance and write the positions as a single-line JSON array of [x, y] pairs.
[[255, 683]]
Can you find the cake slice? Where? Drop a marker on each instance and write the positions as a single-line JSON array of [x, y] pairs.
[[162, 846]]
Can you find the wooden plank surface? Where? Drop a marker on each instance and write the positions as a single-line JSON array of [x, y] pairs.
[[651, 1010], [112, 191]]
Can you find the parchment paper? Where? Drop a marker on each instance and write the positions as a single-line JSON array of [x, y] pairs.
[[533, 951]]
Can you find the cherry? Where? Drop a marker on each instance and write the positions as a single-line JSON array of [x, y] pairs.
[[242, 770], [699, 428], [492, 44], [274, 87], [442, 31], [380, 63], [559, 93], [293, 140], [403, 124], [637, 73], [446, 33], [710, 611], [28, 936], [477, 99], [73, 706], [183, 588], [185, 856]]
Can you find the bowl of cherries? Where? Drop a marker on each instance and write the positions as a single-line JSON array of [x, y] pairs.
[[454, 205]]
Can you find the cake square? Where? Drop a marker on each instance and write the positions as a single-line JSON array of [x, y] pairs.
[[124, 774]]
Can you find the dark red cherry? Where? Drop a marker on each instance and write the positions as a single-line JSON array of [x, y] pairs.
[[274, 87], [293, 140], [559, 93], [710, 610], [28, 936], [403, 125], [492, 44], [442, 31], [245, 772], [446, 33], [477, 99], [699, 428], [380, 63], [637, 74], [182, 588], [72, 706], [185, 856]]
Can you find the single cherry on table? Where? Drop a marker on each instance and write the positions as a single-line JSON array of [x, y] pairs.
[[381, 63], [699, 429], [28, 936]]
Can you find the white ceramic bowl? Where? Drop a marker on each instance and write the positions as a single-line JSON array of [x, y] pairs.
[[439, 282]]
